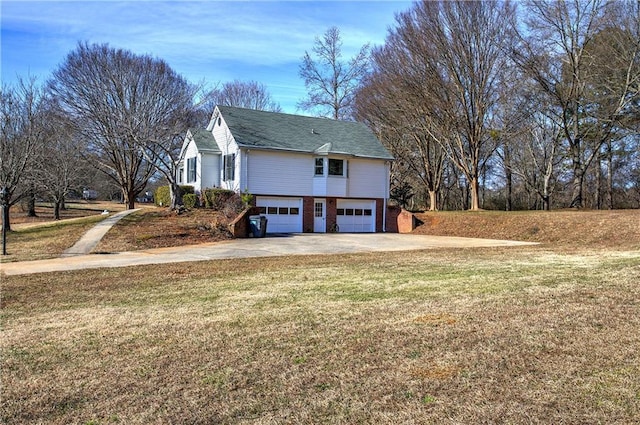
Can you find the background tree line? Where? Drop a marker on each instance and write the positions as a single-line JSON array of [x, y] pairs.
[[106, 118], [493, 105], [486, 105]]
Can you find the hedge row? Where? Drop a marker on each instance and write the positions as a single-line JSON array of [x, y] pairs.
[[215, 198], [162, 195], [209, 198]]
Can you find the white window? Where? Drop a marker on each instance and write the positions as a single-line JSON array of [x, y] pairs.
[[191, 170], [181, 175], [229, 166], [319, 169]]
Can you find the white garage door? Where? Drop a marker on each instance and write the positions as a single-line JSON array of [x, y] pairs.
[[284, 215], [356, 216]]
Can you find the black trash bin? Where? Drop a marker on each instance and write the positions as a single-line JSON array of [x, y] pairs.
[[258, 226]]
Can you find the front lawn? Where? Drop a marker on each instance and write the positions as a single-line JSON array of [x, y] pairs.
[[509, 335]]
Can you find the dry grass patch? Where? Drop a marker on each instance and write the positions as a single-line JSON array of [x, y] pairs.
[[159, 228], [521, 335], [40, 237], [48, 240], [616, 229]]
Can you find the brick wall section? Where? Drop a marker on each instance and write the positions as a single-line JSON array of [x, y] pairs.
[[379, 215], [400, 221], [239, 227], [406, 222], [307, 214], [392, 218]]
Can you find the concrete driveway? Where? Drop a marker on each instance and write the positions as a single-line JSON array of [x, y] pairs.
[[271, 246]]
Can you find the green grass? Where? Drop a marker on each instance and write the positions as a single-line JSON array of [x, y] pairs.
[[455, 336]]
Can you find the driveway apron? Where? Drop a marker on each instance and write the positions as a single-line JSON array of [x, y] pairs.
[[271, 246]]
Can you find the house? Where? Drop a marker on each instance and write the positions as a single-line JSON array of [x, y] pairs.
[[307, 174]]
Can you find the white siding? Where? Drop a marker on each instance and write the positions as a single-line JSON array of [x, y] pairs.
[[367, 179], [207, 168], [291, 174], [227, 145], [279, 173], [337, 186], [319, 186], [191, 152], [210, 170]]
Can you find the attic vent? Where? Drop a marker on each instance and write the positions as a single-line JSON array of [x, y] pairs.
[[313, 131]]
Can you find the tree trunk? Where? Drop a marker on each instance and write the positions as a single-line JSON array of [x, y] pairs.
[[598, 175], [475, 200], [6, 224], [129, 198], [609, 176], [433, 206], [508, 174], [176, 195], [578, 180], [509, 204], [546, 196], [31, 203], [56, 209]]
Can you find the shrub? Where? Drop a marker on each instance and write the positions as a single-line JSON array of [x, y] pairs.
[[215, 198], [162, 196], [190, 200], [233, 206], [247, 198]]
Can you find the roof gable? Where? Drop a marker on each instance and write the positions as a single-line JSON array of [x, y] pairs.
[[322, 136], [204, 140]]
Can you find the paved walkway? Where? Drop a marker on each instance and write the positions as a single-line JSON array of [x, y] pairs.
[[92, 237], [272, 245]]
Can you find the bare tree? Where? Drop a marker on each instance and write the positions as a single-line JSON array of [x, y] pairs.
[[62, 165], [122, 104], [243, 94], [457, 55], [584, 55], [166, 153], [19, 143], [330, 81], [392, 103], [612, 91], [538, 156]]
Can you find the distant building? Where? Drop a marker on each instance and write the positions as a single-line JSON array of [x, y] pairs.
[[89, 195]]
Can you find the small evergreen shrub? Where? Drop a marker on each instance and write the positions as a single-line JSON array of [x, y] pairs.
[[189, 200], [215, 198], [247, 198], [162, 195]]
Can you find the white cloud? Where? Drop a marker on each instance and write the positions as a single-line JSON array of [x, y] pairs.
[[216, 40]]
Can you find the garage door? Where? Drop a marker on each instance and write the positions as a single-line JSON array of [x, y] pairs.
[[284, 215], [356, 216]]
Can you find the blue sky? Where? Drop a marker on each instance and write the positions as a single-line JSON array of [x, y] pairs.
[[214, 41]]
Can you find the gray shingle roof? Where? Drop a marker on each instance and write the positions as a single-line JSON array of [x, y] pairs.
[[204, 140], [273, 130]]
